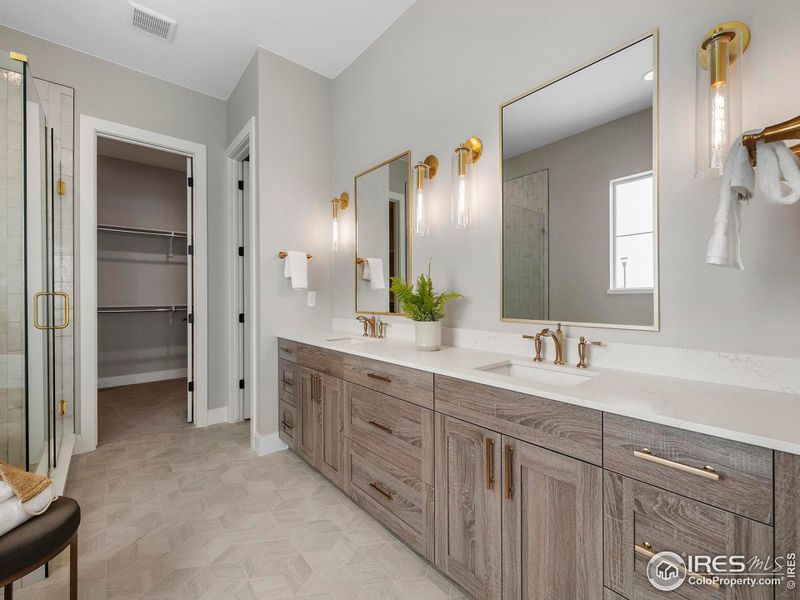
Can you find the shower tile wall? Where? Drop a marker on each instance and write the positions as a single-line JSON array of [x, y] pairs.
[[58, 101], [12, 310], [526, 247]]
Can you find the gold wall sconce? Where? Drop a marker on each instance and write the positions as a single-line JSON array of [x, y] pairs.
[[718, 95], [427, 169], [337, 204], [464, 157]]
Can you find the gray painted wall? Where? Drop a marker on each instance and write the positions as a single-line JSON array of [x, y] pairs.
[[580, 168], [385, 103], [108, 91]]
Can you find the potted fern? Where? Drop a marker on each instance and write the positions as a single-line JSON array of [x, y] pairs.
[[423, 306]]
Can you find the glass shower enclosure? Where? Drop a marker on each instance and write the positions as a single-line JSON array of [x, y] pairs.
[[32, 311]]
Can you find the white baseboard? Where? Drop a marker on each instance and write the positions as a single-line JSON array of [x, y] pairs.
[[267, 444], [217, 415], [134, 378]]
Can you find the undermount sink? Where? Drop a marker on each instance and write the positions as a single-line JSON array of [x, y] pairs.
[[352, 340], [551, 375]]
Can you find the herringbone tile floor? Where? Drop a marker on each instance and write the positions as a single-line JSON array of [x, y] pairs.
[[190, 513]]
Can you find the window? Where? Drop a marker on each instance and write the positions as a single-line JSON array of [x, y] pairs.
[[631, 200]]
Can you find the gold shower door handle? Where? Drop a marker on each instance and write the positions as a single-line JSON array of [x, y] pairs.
[[62, 325]]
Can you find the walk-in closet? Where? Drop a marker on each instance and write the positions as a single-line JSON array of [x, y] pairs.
[[144, 289]]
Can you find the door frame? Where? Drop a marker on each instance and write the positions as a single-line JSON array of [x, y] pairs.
[[86, 310], [243, 145]]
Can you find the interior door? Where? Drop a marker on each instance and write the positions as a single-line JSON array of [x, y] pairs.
[[242, 259], [189, 290]]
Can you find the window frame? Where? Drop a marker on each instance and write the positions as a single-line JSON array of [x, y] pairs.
[[612, 213]]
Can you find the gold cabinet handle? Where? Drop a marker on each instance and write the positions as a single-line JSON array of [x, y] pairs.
[[646, 550], [379, 488], [318, 396], [386, 428], [286, 426], [707, 472], [507, 474], [62, 325], [285, 350], [384, 378], [489, 464]]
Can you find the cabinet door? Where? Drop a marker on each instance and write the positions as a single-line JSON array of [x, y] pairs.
[[552, 525], [468, 505], [307, 417], [330, 403]]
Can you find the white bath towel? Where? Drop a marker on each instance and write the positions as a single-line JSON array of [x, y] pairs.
[[778, 173], [296, 269], [14, 513], [738, 181], [373, 272]]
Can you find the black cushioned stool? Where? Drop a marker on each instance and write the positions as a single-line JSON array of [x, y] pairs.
[[40, 540]]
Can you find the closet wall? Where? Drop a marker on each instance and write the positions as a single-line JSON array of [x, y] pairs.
[[140, 271]]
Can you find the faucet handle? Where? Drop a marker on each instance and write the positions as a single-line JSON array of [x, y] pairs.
[[582, 343], [537, 345]]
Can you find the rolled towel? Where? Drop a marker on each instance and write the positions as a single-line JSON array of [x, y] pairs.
[[738, 181], [24, 484], [5, 491], [373, 272], [778, 173], [296, 269], [14, 513]]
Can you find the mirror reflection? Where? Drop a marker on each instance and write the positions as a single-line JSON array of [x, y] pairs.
[[579, 201], [382, 239]]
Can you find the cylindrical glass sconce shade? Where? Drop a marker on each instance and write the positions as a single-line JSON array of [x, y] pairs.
[[335, 226], [461, 194], [420, 201]]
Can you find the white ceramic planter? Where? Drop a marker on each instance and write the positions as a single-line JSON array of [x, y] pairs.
[[428, 335]]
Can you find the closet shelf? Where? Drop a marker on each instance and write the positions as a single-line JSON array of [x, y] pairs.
[[143, 309], [141, 231]]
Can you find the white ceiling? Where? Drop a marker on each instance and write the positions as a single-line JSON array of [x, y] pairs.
[[140, 154], [603, 92], [213, 40]]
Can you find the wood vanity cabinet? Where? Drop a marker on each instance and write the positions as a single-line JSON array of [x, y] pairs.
[[306, 416]]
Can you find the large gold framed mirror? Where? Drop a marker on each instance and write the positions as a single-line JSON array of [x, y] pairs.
[[580, 195], [383, 240]]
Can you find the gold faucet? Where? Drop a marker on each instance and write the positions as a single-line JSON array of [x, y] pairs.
[[582, 343], [373, 327], [558, 341]]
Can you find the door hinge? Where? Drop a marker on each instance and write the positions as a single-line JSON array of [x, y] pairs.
[[190, 387], [189, 249], [241, 184], [61, 187], [241, 384], [62, 408], [241, 317], [190, 182], [241, 250], [190, 319]]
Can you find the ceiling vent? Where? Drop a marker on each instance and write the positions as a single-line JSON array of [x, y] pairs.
[[151, 22]]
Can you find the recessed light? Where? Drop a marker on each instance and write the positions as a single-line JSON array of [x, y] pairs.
[[648, 76]]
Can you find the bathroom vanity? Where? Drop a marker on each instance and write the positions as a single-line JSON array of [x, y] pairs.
[[513, 486]]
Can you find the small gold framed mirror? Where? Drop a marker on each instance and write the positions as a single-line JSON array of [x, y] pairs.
[[383, 240]]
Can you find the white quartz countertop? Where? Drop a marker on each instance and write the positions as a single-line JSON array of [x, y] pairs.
[[761, 418]]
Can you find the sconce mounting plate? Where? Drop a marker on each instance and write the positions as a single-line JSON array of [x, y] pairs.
[[476, 146], [736, 29], [433, 165], [343, 200]]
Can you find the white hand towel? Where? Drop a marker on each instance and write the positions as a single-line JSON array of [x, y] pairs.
[[296, 269], [373, 272], [738, 181], [14, 513], [5, 491], [778, 173]]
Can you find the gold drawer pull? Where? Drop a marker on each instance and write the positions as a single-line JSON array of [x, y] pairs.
[[646, 550], [489, 464], [707, 472], [286, 350], [384, 378], [286, 426], [386, 428], [507, 474], [377, 486], [287, 382]]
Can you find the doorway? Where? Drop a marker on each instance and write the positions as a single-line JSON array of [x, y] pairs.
[[142, 261]]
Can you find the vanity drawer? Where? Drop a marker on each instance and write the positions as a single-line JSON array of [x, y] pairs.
[[286, 381], [675, 459], [641, 520], [403, 503], [320, 359], [287, 350], [286, 423], [397, 430], [565, 428], [400, 382]]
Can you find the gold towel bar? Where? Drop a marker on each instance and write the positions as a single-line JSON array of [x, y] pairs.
[[360, 261], [283, 254], [788, 130]]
